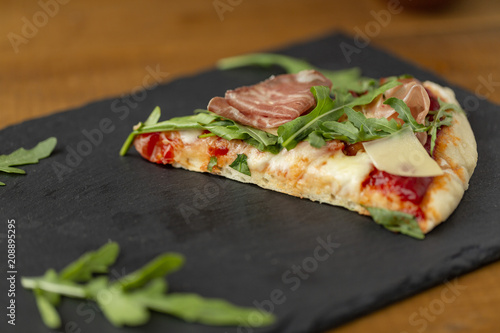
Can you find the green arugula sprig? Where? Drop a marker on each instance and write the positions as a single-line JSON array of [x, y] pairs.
[[212, 163], [397, 221], [23, 157], [348, 79], [205, 120], [316, 127], [343, 82], [358, 128], [128, 300], [326, 110], [240, 164], [441, 117]]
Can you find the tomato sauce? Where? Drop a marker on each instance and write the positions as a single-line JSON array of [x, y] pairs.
[[410, 189], [218, 147], [151, 142]]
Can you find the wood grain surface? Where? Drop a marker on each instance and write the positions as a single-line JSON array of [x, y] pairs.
[[56, 55]]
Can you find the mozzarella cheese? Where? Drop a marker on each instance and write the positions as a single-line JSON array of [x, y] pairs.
[[402, 154], [190, 136]]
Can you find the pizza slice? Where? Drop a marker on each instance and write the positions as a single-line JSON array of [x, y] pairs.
[[398, 149]]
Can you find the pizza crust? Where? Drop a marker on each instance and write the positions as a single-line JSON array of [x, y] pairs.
[[456, 154]]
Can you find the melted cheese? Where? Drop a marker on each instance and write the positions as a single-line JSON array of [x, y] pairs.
[[190, 136], [310, 167], [343, 174], [402, 154]]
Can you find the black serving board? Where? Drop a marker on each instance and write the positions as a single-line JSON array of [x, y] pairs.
[[241, 243]]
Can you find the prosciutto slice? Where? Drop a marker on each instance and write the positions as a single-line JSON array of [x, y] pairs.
[[413, 93], [270, 103]]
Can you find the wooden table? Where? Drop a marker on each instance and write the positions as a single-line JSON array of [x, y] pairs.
[[62, 55]]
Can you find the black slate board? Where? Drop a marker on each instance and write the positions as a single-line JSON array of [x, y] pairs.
[[242, 243]]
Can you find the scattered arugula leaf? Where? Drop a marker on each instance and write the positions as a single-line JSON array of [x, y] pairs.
[[213, 162], [348, 79], [396, 221], [118, 306], [194, 308], [48, 312], [22, 156], [128, 300], [160, 266], [92, 262], [240, 164]]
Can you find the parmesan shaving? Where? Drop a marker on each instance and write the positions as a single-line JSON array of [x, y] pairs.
[[402, 154]]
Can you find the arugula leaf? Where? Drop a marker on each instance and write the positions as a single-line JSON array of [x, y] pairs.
[[226, 130], [204, 119], [98, 261], [117, 305], [128, 301], [443, 117], [397, 221], [405, 114], [385, 125], [291, 65], [370, 96], [22, 156], [240, 164], [194, 308], [53, 298], [48, 312], [348, 79], [162, 265], [316, 139], [263, 137], [153, 117], [80, 270], [359, 128], [344, 131], [213, 162], [291, 133], [151, 125]]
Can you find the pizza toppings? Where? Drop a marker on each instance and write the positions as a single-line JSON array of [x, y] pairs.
[[402, 154], [396, 221], [410, 189], [355, 145], [158, 147], [212, 163], [240, 164], [270, 103], [218, 147], [412, 92]]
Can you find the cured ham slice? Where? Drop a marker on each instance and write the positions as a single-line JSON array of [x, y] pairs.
[[270, 103], [413, 93]]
